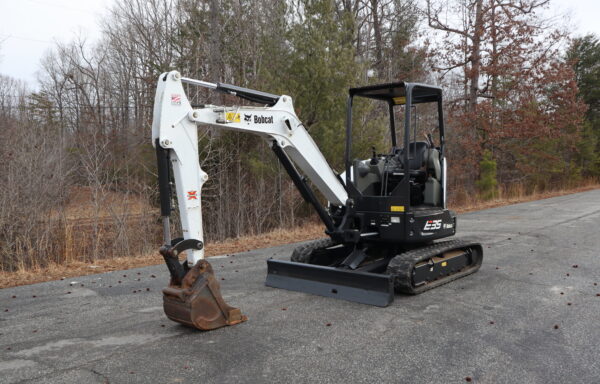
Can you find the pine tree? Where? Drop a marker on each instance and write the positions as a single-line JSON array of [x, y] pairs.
[[322, 67], [584, 56]]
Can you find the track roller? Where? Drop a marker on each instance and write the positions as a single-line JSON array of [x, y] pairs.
[[425, 268]]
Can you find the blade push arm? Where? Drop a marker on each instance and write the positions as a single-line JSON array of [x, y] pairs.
[[174, 129]]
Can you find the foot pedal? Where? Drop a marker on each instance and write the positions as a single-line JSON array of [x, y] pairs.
[[197, 302]]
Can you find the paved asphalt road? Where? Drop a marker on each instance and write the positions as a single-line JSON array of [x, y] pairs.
[[111, 328]]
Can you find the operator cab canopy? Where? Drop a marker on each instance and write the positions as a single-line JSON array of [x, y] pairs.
[[395, 93]]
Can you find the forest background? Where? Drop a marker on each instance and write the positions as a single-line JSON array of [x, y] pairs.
[[78, 179]]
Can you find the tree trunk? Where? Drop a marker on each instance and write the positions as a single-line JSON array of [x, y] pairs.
[[476, 57], [378, 38]]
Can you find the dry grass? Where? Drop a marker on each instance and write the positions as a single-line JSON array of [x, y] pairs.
[[307, 232], [519, 195], [74, 268]]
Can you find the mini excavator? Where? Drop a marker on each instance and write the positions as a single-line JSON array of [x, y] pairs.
[[383, 219]]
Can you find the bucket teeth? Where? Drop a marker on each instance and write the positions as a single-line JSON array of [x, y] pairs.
[[197, 301]]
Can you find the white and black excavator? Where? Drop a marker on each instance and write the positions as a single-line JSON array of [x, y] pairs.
[[383, 215]]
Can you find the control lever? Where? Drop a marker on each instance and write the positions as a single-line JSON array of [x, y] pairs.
[[430, 139], [374, 160]]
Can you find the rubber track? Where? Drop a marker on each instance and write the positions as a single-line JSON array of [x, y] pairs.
[[303, 252], [401, 266]]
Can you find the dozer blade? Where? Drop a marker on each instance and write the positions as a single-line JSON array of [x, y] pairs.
[[361, 287], [197, 301]]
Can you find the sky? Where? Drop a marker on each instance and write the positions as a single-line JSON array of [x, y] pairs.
[[29, 28], [583, 14]]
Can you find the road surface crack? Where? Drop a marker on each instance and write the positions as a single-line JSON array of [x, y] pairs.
[[104, 378]]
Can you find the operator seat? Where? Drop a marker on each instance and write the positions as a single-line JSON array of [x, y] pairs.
[[418, 159], [425, 174]]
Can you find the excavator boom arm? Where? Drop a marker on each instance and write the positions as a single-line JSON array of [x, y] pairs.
[[174, 130]]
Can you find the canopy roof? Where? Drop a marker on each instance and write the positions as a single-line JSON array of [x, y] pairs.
[[396, 92]]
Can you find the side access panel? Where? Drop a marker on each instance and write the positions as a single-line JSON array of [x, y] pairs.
[[428, 225], [361, 287]]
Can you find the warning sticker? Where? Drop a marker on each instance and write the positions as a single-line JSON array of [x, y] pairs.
[[175, 99], [192, 195], [397, 208], [399, 100], [232, 117]]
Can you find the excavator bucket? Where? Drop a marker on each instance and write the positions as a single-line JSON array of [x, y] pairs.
[[195, 300]]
